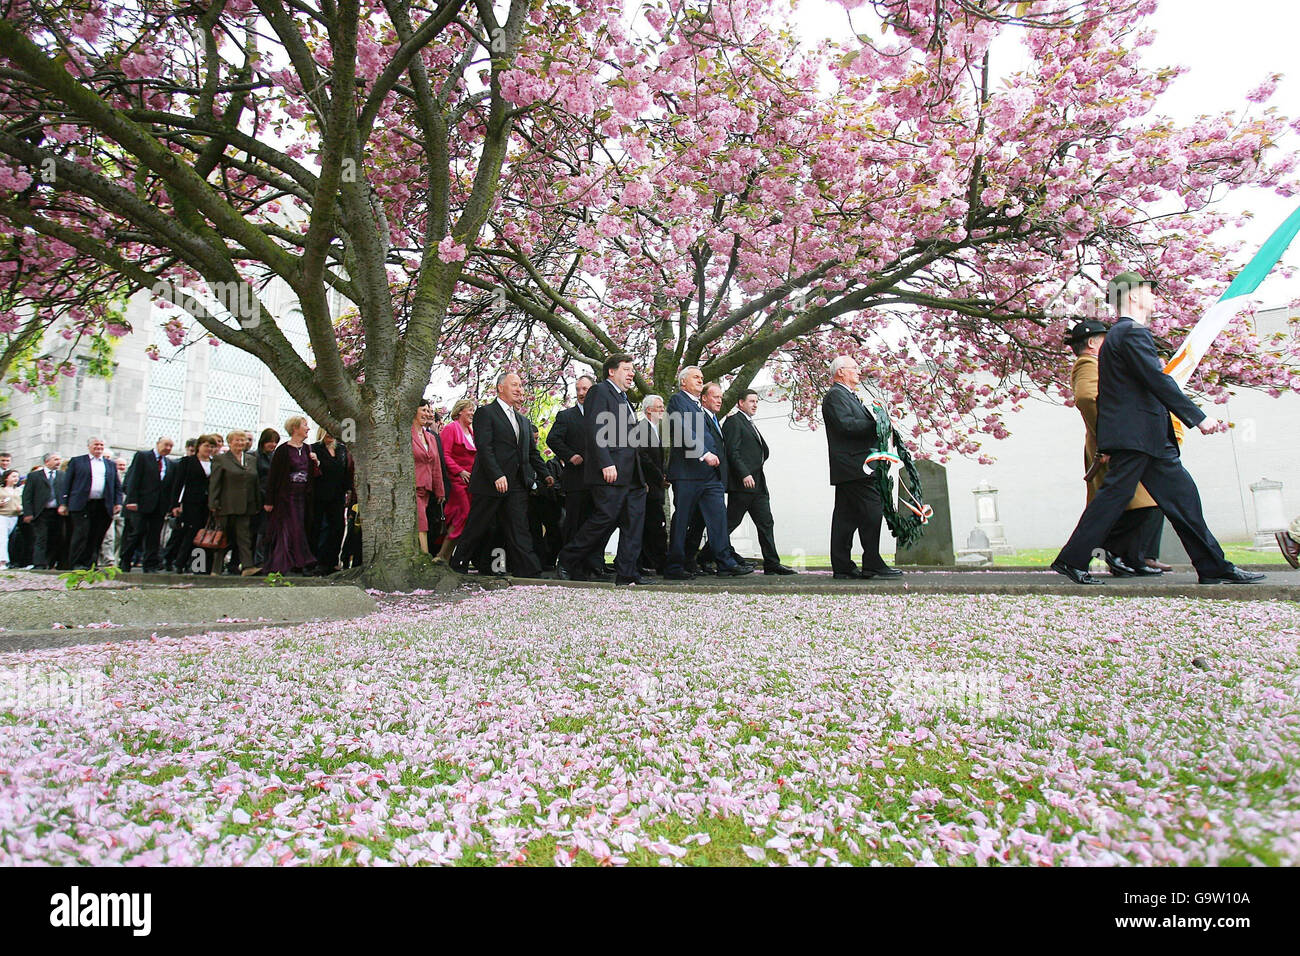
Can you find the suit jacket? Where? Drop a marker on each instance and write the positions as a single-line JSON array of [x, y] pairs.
[[850, 434], [501, 454], [1083, 382], [1135, 396], [76, 489], [568, 437], [610, 424], [651, 453], [37, 490], [233, 489], [428, 462], [691, 435], [190, 491], [144, 488], [746, 452]]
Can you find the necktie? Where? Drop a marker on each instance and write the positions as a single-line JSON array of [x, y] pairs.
[[160, 467]]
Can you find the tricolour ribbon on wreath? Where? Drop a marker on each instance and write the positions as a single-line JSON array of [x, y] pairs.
[[903, 502]]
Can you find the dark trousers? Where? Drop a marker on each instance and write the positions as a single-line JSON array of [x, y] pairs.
[[544, 522], [1131, 535], [89, 525], [613, 506], [654, 539], [239, 533], [578, 506], [176, 556], [1175, 494], [707, 497], [327, 540], [142, 532], [857, 509], [47, 539], [483, 512], [704, 554], [758, 505]]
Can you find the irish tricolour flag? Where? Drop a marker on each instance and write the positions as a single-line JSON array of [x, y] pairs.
[[1194, 347]]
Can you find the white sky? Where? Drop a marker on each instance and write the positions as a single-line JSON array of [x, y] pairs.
[[1228, 50]]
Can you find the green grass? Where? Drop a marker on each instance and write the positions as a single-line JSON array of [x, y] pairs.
[[1238, 552]]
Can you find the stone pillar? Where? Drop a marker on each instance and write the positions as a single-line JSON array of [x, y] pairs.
[[935, 547], [1269, 515], [986, 517]]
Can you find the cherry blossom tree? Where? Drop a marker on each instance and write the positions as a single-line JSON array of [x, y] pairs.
[[731, 198], [345, 147]]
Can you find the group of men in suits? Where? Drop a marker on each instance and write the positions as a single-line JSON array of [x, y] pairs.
[[1134, 401], [86, 496]]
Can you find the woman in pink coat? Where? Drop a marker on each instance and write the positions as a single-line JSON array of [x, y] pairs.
[[428, 470], [458, 451]]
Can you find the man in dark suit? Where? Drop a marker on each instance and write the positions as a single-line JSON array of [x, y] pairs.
[[612, 470], [147, 495], [850, 438], [746, 484], [505, 468], [568, 439], [697, 467], [1134, 400], [90, 497], [654, 539], [41, 493]]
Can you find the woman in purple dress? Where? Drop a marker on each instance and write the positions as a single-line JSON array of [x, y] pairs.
[[288, 502]]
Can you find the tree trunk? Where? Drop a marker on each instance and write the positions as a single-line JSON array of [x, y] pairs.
[[385, 474]]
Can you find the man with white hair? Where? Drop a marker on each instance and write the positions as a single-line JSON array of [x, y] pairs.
[[654, 540], [91, 495], [505, 467], [850, 438], [697, 467]]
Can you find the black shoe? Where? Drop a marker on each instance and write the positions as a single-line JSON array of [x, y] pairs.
[[459, 568], [679, 576], [706, 567], [562, 574], [1074, 574], [854, 575], [735, 571], [779, 569], [620, 581], [1235, 576], [1119, 567], [1143, 570], [882, 573]]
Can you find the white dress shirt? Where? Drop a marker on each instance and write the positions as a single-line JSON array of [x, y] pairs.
[[96, 478], [510, 417]]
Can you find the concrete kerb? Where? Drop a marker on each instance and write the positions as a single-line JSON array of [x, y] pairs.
[[25, 611]]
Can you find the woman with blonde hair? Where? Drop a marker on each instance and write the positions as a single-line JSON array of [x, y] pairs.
[[458, 451], [288, 502]]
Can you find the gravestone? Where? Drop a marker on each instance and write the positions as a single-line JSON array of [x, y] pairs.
[[935, 546], [977, 553]]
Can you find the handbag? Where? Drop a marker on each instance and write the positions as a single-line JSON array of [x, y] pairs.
[[211, 538], [437, 518]]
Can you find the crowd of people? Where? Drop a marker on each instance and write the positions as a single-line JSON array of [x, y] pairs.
[[488, 497], [232, 504]]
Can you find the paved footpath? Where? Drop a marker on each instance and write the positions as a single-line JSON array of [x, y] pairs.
[[1282, 584]]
